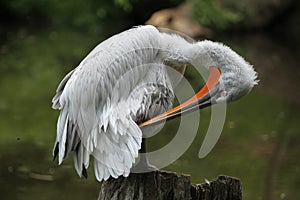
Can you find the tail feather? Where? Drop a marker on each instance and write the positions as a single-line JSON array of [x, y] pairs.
[[60, 88], [55, 150], [77, 156], [81, 160], [62, 141], [67, 138], [84, 172]]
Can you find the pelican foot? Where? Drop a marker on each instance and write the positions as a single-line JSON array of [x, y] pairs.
[[143, 167]]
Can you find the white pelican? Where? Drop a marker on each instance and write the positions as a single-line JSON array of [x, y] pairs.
[[124, 85]]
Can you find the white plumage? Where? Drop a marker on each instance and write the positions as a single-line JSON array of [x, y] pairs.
[[125, 81]]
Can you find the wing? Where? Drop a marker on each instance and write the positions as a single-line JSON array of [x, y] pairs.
[[101, 99]]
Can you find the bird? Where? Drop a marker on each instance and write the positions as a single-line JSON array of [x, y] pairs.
[[124, 88]]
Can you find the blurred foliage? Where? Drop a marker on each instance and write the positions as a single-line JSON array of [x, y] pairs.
[[76, 12], [210, 14], [215, 14], [82, 14], [231, 14], [125, 4]]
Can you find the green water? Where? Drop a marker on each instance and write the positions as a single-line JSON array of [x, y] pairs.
[[260, 142]]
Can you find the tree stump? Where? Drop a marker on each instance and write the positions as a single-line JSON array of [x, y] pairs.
[[161, 185]]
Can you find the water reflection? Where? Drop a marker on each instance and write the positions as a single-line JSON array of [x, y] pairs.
[[259, 144], [27, 172]]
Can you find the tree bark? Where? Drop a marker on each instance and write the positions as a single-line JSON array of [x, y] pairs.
[[161, 185]]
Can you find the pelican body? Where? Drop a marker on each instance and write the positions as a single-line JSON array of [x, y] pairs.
[[125, 84]]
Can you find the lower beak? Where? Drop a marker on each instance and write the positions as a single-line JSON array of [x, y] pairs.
[[199, 101]]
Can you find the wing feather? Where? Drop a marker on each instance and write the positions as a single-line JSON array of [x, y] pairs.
[[60, 88]]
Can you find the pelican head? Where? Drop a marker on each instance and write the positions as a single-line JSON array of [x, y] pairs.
[[236, 77]]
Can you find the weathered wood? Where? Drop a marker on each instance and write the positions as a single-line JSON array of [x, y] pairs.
[[160, 185]]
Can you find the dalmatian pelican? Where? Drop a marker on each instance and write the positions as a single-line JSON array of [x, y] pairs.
[[125, 85]]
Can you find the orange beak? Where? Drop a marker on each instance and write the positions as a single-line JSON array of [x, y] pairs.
[[198, 101]]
